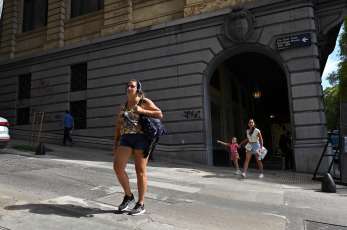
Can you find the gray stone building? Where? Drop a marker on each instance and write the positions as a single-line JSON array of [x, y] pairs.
[[209, 71]]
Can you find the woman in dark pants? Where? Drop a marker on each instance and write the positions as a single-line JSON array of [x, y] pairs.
[[129, 140]]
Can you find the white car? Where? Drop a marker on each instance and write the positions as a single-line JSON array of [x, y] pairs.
[[4, 135]]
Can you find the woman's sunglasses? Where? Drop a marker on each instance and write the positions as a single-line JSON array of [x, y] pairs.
[[131, 86]]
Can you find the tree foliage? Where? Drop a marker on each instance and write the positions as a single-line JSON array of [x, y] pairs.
[[338, 80], [342, 67]]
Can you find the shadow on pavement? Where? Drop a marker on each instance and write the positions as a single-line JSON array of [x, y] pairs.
[[65, 210]]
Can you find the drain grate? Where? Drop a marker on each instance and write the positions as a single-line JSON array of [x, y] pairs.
[[313, 225]]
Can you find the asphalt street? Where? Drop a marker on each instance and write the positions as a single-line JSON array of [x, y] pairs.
[[76, 188]]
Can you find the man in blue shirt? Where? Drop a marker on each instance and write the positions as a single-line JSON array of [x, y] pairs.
[[68, 122]]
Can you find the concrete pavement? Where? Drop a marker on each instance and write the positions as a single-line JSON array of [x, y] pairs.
[[185, 195]]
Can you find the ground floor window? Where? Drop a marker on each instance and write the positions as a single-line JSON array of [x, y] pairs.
[[23, 116]]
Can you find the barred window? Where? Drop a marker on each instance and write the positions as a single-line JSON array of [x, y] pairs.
[[81, 7], [79, 77], [78, 109], [23, 116], [34, 14], [24, 89]]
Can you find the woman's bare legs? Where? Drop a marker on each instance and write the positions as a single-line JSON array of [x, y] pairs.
[[140, 166], [260, 164], [121, 158], [248, 158]]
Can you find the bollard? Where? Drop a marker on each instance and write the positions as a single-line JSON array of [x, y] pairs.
[[40, 149], [328, 184]]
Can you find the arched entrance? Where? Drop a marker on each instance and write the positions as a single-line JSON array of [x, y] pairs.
[[243, 86]]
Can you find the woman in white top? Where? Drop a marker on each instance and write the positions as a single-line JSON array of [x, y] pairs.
[[255, 142]]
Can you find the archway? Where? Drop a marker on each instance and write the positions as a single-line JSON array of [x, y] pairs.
[[232, 102]]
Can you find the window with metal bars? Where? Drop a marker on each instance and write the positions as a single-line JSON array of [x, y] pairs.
[[79, 77], [23, 116], [78, 109], [24, 86], [81, 7]]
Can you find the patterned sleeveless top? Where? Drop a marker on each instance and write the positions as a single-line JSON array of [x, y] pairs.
[[129, 121]]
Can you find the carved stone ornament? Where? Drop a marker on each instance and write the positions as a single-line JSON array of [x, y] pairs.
[[239, 25]]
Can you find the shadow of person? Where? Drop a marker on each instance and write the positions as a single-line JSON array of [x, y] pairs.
[[66, 210]]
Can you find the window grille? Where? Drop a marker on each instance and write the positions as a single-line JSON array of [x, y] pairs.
[[23, 116], [81, 7], [79, 77], [78, 109], [24, 89]]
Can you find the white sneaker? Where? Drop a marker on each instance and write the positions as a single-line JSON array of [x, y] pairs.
[[243, 175], [237, 172], [261, 176]]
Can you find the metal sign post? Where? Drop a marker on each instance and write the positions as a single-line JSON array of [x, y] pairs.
[[38, 137], [32, 129]]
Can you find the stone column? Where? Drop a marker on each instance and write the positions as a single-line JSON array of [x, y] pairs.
[[9, 29], [55, 24], [309, 118], [118, 16]]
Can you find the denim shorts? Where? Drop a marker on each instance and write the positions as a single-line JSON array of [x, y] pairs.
[[253, 147], [134, 141]]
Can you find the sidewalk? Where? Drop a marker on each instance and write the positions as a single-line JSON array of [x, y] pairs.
[[272, 176], [186, 195]]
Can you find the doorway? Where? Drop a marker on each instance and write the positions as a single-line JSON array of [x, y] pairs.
[[247, 85]]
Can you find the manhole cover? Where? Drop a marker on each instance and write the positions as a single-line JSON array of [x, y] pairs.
[[313, 225]]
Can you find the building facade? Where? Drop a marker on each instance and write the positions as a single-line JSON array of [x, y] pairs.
[[210, 65]]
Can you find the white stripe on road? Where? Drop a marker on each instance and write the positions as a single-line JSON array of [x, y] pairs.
[[175, 187]]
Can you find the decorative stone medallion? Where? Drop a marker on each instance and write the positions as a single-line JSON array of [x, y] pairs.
[[239, 25]]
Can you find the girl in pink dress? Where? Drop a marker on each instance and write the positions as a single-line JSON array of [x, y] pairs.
[[234, 154]]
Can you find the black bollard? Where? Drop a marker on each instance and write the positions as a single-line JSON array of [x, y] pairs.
[[40, 149], [328, 184]]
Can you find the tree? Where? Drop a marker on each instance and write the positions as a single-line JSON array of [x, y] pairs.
[[331, 105], [342, 67], [338, 80]]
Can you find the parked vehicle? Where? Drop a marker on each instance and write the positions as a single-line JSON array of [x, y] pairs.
[[4, 132], [335, 138]]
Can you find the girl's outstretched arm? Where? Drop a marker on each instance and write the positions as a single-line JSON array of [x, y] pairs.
[[221, 142]]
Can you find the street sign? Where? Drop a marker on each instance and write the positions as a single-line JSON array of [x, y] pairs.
[[293, 41]]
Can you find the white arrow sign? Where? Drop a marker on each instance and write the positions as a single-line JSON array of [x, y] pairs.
[[305, 39]]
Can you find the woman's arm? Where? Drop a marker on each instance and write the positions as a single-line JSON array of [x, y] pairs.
[[242, 142], [260, 139], [148, 108], [117, 131]]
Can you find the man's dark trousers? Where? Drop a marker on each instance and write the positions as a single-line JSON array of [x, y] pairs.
[[67, 135]]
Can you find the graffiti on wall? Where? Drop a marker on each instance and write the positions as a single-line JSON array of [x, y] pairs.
[[191, 114]]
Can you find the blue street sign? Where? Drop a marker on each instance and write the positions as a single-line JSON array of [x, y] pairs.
[[293, 41]]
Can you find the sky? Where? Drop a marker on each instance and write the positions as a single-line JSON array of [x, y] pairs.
[[332, 62], [1, 3]]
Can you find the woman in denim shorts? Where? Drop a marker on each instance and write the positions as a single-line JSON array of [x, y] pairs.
[[130, 140], [255, 143]]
